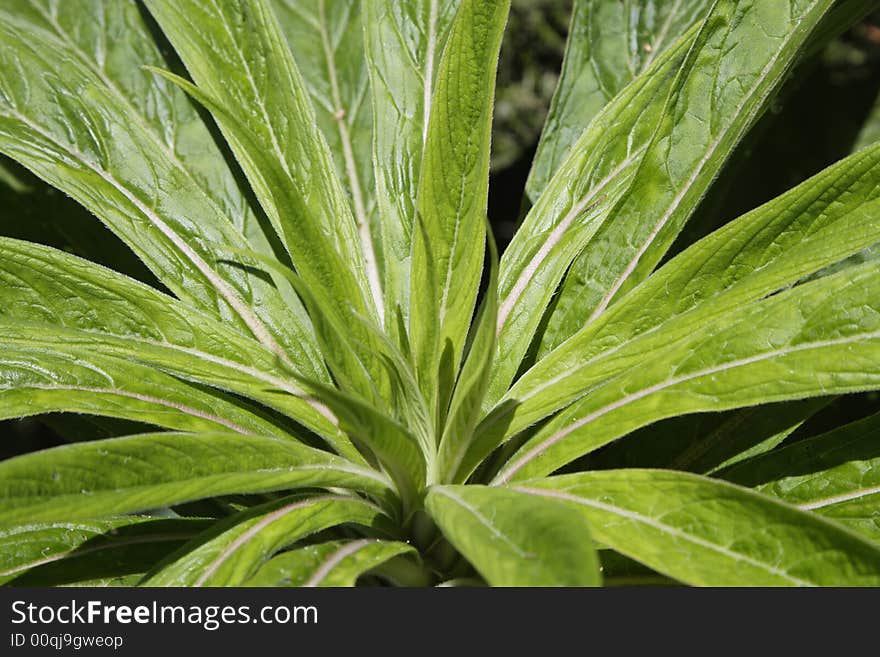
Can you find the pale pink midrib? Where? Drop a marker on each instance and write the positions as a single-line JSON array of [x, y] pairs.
[[674, 531], [573, 370], [837, 499], [120, 94], [230, 549], [528, 272], [505, 476], [631, 266], [428, 80], [334, 560], [146, 127], [260, 102], [661, 37], [483, 520], [236, 366], [187, 410], [219, 284], [351, 170]]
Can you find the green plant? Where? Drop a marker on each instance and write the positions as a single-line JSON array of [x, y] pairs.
[[337, 400]]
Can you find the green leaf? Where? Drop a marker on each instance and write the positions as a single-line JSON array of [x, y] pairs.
[[706, 442], [232, 552], [598, 172], [746, 52], [49, 554], [830, 216], [46, 287], [609, 44], [326, 38], [447, 252], [29, 209], [710, 533], [470, 389], [836, 475], [67, 121], [246, 76], [71, 377], [394, 444], [143, 472], [88, 31], [516, 539], [403, 43], [816, 339], [335, 564]]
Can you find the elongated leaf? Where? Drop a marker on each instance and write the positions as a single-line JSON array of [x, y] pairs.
[[326, 38], [232, 552], [116, 163], [29, 209], [44, 286], [829, 217], [74, 378], [706, 442], [137, 473], [748, 50], [402, 64], [836, 475], [393, 444], [47, 285], [327, 564], [516, 539], [191, 365], [238, 57], [447, 253], [595, 176], [609, 43], [817, 339], [89, 31], [470, 389], [710, 533], [49, 554]]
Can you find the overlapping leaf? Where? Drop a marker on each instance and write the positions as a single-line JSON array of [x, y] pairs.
[[609, 44], [598, 171], [403, 43], [516, 539], [836, 475], [447, 251], [327, 564], [747, 50], [233, 551], [70, 377], [72, 123], [326, 39], [816, 339], [138, 473], [814, 225], [705, 532], [47, 293], [65, 552]]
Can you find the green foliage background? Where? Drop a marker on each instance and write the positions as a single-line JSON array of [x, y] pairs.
[[721, 341], [840, 87]]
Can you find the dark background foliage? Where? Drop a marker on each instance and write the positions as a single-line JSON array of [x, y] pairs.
[[830, 106]]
